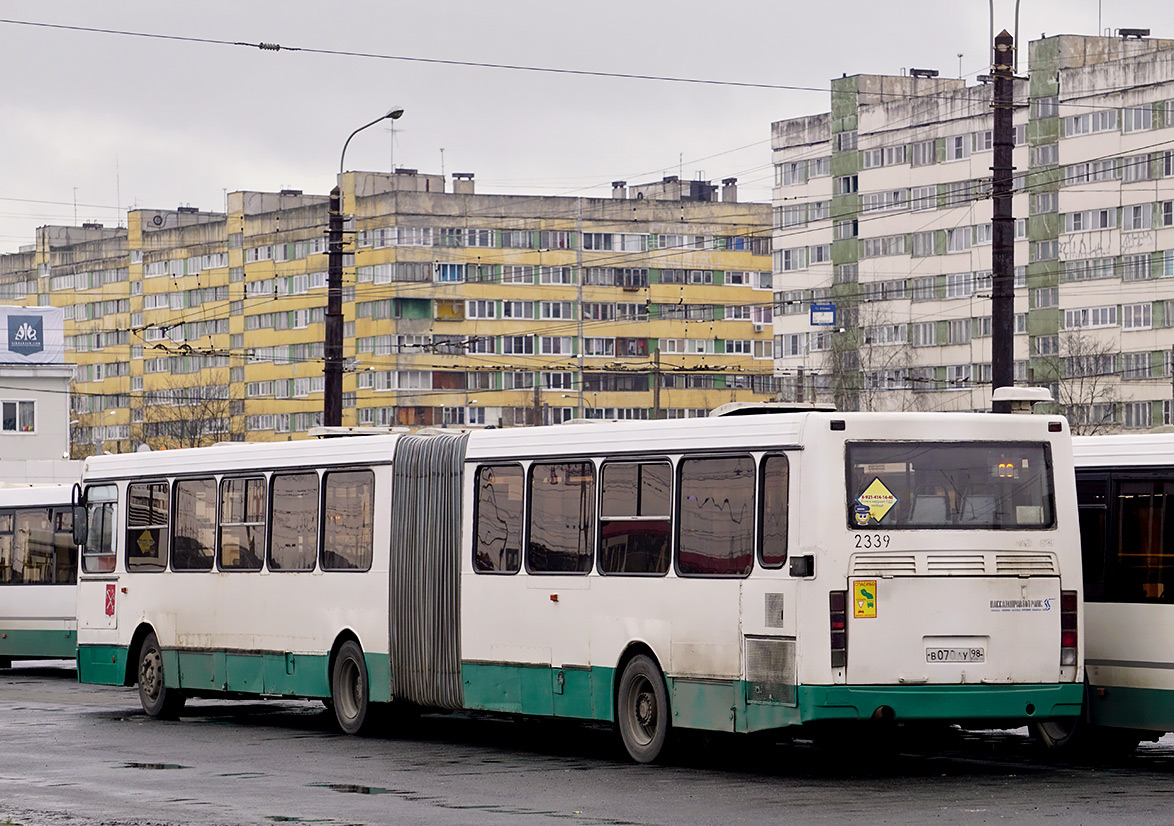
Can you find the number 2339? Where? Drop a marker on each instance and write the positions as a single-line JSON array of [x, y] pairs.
[[872, 540]]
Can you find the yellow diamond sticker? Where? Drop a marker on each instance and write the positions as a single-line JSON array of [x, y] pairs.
[[878, 499], [146, 544]]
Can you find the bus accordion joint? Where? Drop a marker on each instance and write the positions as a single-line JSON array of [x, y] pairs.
[[838, 620], [1069, 607]]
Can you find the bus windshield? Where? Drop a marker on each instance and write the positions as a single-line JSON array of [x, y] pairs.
[[954, 485]]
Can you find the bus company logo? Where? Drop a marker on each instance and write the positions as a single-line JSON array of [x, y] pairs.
[[1021, 604], [864, 599], [110, 599], [25, 334]]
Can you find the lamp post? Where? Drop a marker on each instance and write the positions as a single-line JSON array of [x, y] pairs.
[[332, 373]]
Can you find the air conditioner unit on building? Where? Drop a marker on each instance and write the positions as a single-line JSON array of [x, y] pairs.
[[758, 328]]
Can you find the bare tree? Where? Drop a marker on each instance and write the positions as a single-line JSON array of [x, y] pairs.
[[183, 415], [1086, 382], [869, 360]]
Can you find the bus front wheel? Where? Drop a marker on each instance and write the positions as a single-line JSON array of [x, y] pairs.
[[642, 709], [158, 700], [348, 688]]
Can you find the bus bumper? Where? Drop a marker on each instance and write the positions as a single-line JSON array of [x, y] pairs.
[[941, 702]]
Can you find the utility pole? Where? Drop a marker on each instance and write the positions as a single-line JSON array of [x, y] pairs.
[[332, 390], [656, 383], [1003, 224]]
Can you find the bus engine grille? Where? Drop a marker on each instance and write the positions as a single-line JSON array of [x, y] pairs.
[[770, 670], [964, 563]]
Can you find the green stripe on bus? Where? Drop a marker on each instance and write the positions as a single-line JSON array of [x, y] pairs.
[[49, 645], [1143, 708], [101, 664], [291, 675], [582, 693]]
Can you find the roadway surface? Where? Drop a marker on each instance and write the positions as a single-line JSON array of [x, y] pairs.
[[73, 755]]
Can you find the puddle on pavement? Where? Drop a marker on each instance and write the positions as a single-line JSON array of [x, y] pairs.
[[152, 766], [351, 788]]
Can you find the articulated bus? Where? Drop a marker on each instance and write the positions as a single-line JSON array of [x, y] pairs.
[[738, 574], [38, 574], [1125, 488]]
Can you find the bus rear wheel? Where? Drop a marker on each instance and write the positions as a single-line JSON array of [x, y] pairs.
[[642, 709], [348, 688], [158, 700]]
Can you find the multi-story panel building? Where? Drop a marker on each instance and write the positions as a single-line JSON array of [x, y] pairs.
[[883, 210], [459, 309]]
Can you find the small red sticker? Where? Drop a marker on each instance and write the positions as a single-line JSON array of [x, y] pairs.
[[110, 600]]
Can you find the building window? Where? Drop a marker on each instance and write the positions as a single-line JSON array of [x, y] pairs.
[[18, 417], [924, 153], [1137, 118], [1136, 316]]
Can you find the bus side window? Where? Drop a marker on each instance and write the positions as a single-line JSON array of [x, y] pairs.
[[562, 518], [98, 552], [146, 526], [635, 519], [242, 523], [32, 553], [715, 535], [1092, 494], [498, 536], [66, 551], [1142, 570], [5, 547], [293, 531], [349, 521], [194, 530], [772, 520]]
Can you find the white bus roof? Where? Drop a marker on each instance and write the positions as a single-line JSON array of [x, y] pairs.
[[1144, 449], [35, 495]]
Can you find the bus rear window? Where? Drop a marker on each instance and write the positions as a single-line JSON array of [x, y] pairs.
[[952, 485]]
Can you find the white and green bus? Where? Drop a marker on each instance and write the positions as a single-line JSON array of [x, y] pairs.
[[38, 574], [738, 574], [1125, 489]]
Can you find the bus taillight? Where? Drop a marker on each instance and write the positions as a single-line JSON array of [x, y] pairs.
[[838, 617], [1068, 622]]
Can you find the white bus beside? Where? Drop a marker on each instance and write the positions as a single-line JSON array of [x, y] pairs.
[[733, 574], [1125, 488], [38, 574]]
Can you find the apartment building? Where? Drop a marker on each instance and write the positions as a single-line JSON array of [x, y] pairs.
[[882, 241], [460, 309]]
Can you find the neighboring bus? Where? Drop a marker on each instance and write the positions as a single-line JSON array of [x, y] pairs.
[[1125, 487], [729, 574], [38, 574]]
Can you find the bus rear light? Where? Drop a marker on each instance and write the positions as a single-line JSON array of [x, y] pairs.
[[1069, 607], [838, 622]]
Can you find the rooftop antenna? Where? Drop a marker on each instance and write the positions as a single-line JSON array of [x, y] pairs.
[[442, 162], [959, 65]]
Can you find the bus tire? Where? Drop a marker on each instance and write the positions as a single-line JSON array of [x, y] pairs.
[[349, 689], [157, 699], [1060, 735], [642, 709]]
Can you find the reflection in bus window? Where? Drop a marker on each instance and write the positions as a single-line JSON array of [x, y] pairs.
[[348, 537], [498, 540], [98, 552], [772, 522], [955, 485], [195, 525], [635, 521], [562, 518], [1144, 567], [146, 527], [64, 549], [715, 536], [242, 523], [293, 534]]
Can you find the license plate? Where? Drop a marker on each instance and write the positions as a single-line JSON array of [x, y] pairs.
[[955, 655]]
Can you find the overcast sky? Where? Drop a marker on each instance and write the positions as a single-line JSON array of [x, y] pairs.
[[112, 121]]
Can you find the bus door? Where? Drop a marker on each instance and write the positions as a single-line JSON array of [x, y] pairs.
[[98, 585]]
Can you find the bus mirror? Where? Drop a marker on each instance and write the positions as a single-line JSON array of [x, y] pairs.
[[80, 525]]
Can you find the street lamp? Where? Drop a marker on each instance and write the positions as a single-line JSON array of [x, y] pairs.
[[332, 372]]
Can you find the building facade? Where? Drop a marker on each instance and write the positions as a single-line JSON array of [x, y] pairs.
[[460, 309], [883, 225]]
